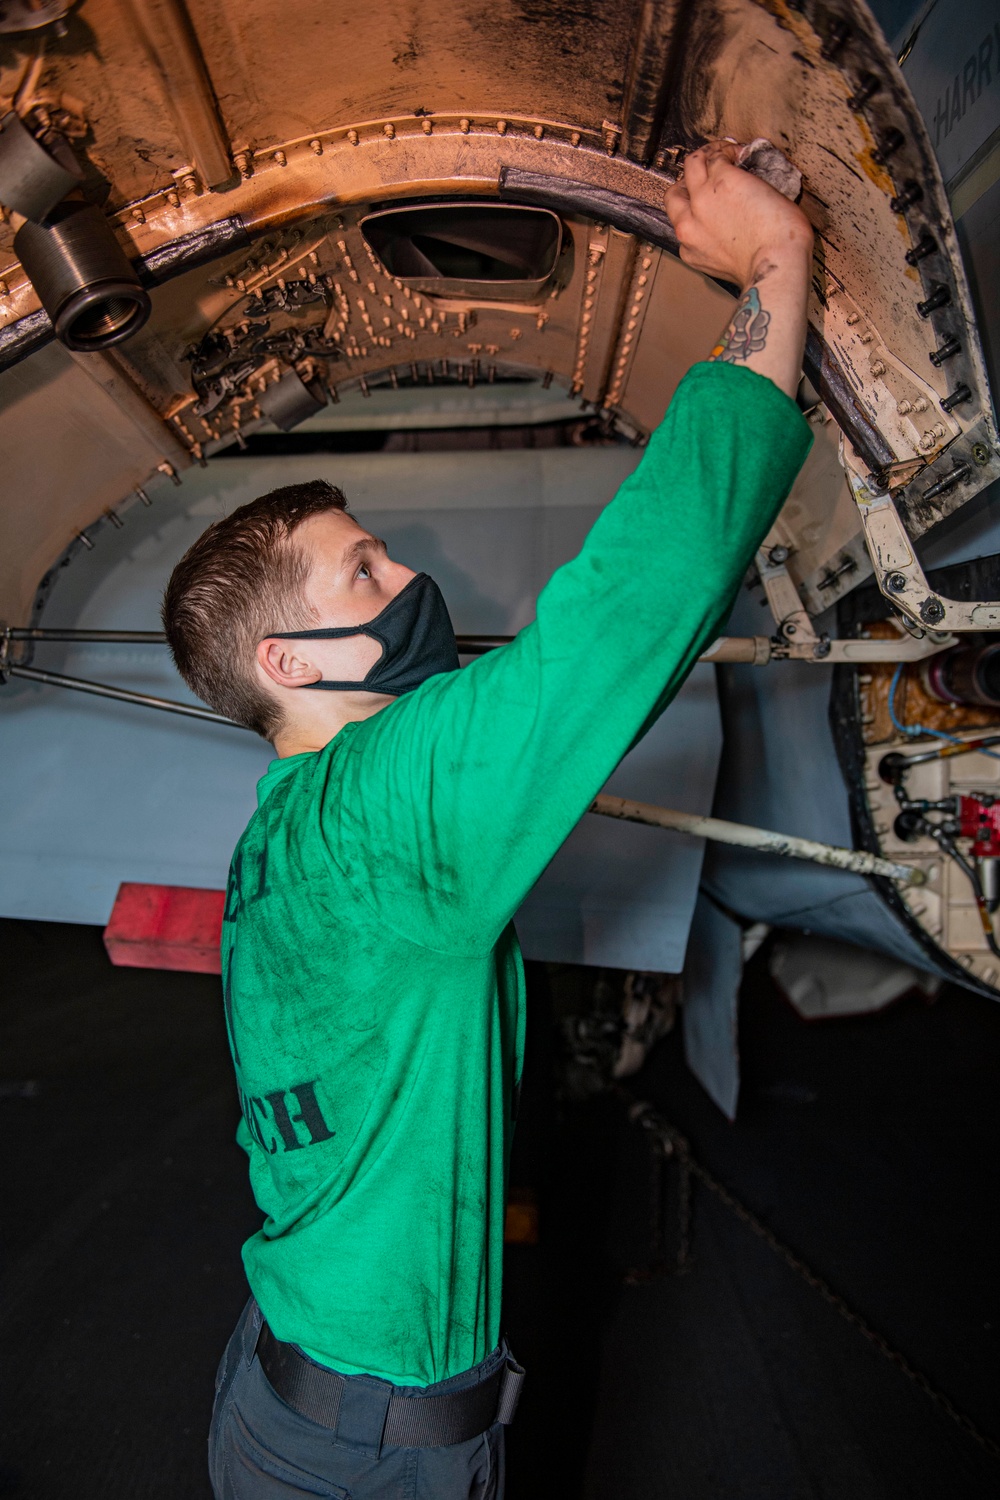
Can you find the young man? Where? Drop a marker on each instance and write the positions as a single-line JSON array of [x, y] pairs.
[[373, 983]]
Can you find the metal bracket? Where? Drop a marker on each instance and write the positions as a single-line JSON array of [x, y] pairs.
[[900, 576], [799, 641]]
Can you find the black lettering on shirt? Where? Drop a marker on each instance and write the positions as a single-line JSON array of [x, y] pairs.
[[309, 1114]]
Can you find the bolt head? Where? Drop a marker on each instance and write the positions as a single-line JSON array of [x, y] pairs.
[[894, 583], [932, 611], [778, 555], [980, 453]]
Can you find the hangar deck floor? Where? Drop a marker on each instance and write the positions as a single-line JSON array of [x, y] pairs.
[[870, 1145]]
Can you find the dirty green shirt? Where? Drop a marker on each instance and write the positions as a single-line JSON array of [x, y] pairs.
[[373, 983]]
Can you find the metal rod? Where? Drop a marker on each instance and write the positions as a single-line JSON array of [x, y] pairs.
[[119, 637], [122, 695], [745, 837], [755, 649]]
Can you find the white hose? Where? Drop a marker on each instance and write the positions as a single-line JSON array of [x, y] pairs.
[[858, 860]]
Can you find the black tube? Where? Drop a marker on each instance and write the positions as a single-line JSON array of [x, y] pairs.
[[83, 277]]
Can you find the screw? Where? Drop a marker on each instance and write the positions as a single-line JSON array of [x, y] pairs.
[[959, 394], [926, 245], [316, 146], [950, 347], [778, 555], [912, 193], [281, 158], [143, 496], [932, 611], [894, 583], [243, 163], [426, 127], [353, 137], [980, 453], [888, 146], [940, 296], [868, 86], [835, 39], [822, 648], [388, 130], [958, 475], [539, 132], [501, 127], [465, 126]]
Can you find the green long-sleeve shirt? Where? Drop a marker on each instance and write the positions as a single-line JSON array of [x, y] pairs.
[[373, 982]]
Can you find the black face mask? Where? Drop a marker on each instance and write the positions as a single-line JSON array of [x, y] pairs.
[[416, 636]]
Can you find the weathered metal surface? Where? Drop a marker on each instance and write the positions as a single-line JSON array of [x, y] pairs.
[[304, 121]]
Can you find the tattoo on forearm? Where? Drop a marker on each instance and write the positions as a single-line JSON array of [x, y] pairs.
[[747, 331]]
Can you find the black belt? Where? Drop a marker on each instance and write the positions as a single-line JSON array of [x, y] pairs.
[[387, 1415]]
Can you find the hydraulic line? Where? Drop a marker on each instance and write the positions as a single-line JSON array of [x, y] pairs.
[[764, 839]]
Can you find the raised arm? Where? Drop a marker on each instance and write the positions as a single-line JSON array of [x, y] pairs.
[[732, 226], [471, 784]]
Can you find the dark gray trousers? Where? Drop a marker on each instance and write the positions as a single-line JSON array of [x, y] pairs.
[[260, 1449]]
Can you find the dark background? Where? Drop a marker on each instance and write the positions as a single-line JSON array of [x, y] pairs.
[[869, 1145]]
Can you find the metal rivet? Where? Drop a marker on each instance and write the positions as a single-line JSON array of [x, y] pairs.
[[574, 138], [539, 132], [138, 216], [501, 127], [85, 541], [465, 125], [173, 198], [426, 127], [932, 611], [243, 162], [281, 158], [388, 129], [352, 136]]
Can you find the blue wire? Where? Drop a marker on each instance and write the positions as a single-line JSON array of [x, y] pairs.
[[916, 729]]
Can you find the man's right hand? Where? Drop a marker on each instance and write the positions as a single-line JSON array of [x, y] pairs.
[[734, 227], [728, 222]]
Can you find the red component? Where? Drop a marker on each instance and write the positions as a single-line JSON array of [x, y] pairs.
[[166, 927], [980, 821]]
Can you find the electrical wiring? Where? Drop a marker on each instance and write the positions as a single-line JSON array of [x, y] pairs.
[[913, 730]]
